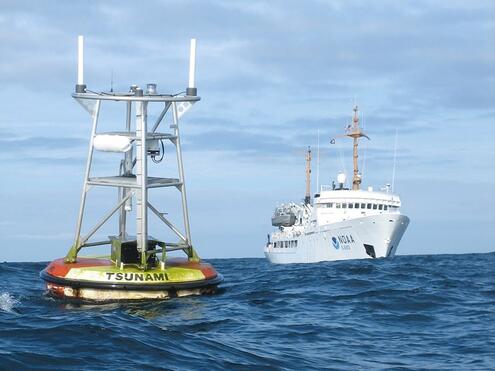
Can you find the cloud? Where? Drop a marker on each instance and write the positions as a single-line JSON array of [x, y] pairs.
[[270, 75], [7, 145], [239, 142], [42, 236], [267, 48], [49, 161]]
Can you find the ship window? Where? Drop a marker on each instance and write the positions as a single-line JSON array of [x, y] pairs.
[[274, 244], [344, 206], [363, 206], [375, 206], [330, 204], [368, 206], [380, 207], [351, 206], [385, 207], [338, 206], [295, 243], [356, 205]]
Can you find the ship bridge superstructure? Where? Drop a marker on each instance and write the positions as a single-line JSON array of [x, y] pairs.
[[339, 205]]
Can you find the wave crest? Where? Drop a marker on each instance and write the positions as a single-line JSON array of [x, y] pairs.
[[7, 302]]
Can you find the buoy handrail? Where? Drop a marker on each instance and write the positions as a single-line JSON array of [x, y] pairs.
[[135, 98], [132, 135], [96, 243]]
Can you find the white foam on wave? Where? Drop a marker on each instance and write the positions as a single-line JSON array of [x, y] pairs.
[[7, 302]]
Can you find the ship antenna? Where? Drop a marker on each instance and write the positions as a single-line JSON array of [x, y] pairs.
[[395, 158], [354, 131], [111, 81], [307, 198], [318, 162]]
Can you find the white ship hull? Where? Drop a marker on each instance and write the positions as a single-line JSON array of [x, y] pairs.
[[374, 236]]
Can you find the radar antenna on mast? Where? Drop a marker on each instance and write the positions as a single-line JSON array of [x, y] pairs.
[[354, 131]]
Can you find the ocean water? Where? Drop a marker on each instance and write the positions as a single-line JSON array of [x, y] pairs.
[[410, 312]]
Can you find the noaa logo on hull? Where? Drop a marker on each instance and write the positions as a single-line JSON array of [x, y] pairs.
[[335, 243], [343, 241]]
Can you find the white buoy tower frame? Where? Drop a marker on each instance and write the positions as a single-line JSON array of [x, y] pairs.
[[133, 181]]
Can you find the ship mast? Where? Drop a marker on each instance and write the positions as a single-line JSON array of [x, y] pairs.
[[307, 198], [354, 131]]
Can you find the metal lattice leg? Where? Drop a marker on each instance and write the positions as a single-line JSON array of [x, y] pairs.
[[72, 254], [141, 177]]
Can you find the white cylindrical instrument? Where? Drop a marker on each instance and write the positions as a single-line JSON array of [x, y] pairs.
[[80, 60], [192, 64], [112, 143]]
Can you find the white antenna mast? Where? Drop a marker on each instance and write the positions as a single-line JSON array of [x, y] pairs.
[[191, 87], [395, 158], [80, 86], [80, 60]]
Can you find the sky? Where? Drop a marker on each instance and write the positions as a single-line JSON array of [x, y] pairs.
[[271, 75]]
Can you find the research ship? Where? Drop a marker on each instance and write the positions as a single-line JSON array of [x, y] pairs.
[[339, 223]]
